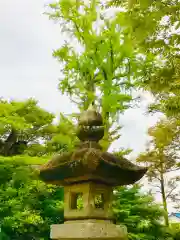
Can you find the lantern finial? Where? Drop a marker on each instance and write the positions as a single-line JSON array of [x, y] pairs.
[[90, 127]]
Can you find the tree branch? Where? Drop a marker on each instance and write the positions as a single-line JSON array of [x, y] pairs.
[[112, 56], [156, 186], [171, 192], [173, 170]]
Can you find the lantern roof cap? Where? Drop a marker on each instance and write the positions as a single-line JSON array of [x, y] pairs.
[[88, 162]]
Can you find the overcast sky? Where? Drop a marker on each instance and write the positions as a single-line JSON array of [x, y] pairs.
[[27, 68]]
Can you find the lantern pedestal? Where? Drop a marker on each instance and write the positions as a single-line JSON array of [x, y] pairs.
[[88, 229]]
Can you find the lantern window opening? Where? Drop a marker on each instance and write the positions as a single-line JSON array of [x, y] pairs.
[[77, 200], [99, 201]]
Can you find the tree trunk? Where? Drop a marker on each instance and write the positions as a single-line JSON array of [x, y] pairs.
[[12, 138], [163, 194]]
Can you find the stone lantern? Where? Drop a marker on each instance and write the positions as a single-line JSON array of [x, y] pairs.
[[88, 175]]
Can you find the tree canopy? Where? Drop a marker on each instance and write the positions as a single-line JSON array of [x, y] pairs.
[[25, 128], [27, 206], [155, 28], [23, 124], [162, 158], [98, 60], [140, 214]]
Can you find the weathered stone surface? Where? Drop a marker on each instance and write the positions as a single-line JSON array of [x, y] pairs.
[[89, 160], [89, 210], [88, 229], [92, 163]]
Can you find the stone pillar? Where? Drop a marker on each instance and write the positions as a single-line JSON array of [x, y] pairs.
[[92, 219], [88, 229]]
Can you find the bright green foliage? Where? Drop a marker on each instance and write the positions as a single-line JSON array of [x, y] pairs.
[[175, 229], [27, 206], [65, 138], [164, 83], [25, 159], [98, 58], [105, 57], [25, 128], [22, 126], [140, 214], [24, 116], [122, 152], [155, 27], [162, 157]]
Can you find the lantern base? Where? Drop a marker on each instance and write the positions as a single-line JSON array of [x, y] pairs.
[[88, 229]]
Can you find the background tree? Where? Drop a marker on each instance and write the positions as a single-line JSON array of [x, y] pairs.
[[64, 138], [163, 159], [140, 214], [22, 125], [25, 128], [98, 60], [27, 206], [155, 28], [175, 228]]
